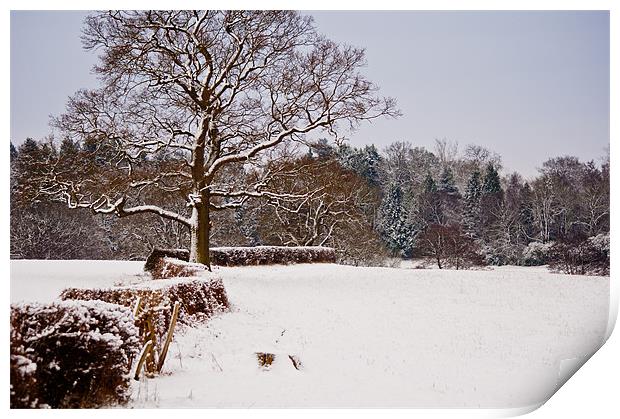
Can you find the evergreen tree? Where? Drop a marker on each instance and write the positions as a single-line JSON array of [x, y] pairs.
[[473, 193], [322, 149], [371, 159], [492, 184], [394, 226], [447, 184], [365, 162], [429, 185], [32, 158], [13, 152], [491, 200], [69, 148]]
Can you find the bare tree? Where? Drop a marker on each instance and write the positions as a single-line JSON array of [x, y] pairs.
[[203, 91], [449, 246], [333, 198], [447, 151]]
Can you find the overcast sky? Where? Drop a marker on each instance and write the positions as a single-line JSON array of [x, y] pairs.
[[528, 85]]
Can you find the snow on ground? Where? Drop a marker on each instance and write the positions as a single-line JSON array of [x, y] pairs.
[[367, 337], [44, 280]]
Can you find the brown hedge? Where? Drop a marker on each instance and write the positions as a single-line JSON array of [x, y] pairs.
[[166, 267], [71, 354], [200, 298]]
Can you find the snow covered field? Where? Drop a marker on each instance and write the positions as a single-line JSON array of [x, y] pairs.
[[366, 337]]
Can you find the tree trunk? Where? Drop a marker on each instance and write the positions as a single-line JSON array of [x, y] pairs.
[[199, 200], [200, 230]]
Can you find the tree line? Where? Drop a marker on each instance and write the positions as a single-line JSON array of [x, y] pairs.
[[452, 207]]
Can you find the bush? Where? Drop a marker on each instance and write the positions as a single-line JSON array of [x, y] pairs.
[[500, 252], [71, 354], [581, 255], [199, 298], [536, 253], [270, 255]]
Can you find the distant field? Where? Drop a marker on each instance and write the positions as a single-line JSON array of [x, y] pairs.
[[365, 337]]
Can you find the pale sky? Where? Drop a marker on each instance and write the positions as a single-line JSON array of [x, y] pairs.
[[528, 85]]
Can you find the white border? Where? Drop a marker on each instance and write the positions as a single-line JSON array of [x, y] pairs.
[[593, 392]]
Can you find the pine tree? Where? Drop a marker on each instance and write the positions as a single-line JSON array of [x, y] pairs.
[[473, 193], [13, 152], [365, 162], [395, 228], [491, 200], [372, 160], [492, 184], [322, 149], [447, 184]]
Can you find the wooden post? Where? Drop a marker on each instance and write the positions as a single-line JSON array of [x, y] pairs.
[[143, 354], [136, 307], [151, 364], [173, 321]]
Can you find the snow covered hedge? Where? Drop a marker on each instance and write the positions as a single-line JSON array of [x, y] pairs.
[[270, 255], [71, 354], [166, 267], [200, 297], [157, 254], [162, 260]]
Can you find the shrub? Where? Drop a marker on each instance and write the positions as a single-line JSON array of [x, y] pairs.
[[269, 255], [200, 298], [536, 253], [71, 354], [581, 255]]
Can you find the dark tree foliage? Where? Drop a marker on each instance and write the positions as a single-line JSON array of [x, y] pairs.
[[473, 194], [491, 201], [365, 161], [447, 184], [13, 152], [395, 227], [491, 184]]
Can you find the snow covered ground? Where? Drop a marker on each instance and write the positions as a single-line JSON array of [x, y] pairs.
[[366, 337]]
